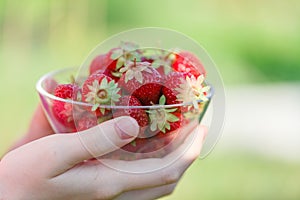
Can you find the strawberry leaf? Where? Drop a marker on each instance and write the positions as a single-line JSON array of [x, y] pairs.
[[120, 63], [170, 110], [102, 110], [133, 143], [153, 126], [116, 54], [162, 100], [161, 127], [172, 118], [129, 75], [139, 76], [116, 74], [156, 64], [128, 46], [167, 126], [95, 106]]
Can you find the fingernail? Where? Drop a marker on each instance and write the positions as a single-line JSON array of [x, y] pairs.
[[126, 127]]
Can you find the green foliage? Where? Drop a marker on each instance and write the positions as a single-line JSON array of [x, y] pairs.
[[255, 39], [275, 61], [239, 176]]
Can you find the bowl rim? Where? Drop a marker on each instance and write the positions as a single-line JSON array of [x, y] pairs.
[[43, 92]]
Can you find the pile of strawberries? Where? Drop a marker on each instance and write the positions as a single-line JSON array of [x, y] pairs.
[[127, 77]]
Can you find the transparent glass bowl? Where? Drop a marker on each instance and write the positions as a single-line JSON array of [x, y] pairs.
[[149, 143]]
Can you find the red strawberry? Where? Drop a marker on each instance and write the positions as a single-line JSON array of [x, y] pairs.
[[166, 138], [85, 121], [187, 62], [66, 91], [99, 89], [192, 90], [163, 125], [147, 59], [142, 81], [99, 63], [115, 59], [172, 81], [138, 114], [162, 62], [157, 142], [112, 59], [63, 111], [113, 63], [164, 119], [105, 64]]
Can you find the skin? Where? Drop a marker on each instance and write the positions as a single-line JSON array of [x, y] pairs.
[[43, 165]]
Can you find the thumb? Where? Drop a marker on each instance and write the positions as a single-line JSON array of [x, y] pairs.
[[94, 142], [108, 136]]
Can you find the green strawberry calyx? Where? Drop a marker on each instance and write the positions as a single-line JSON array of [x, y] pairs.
[[161, 118], [125, 52], [133, 70], [165, 60], [103, 93], [192, 90]]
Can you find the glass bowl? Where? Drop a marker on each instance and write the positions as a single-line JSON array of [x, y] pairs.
[[149, 143]]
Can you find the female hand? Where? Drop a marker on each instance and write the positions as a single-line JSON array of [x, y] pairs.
[[53, 167]]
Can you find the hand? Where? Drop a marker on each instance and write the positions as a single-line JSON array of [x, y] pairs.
[[52, 167]]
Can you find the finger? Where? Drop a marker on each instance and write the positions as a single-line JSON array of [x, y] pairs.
[[71, 149], [171, 167], [88, 176], [39, 125], [149, 193], [99, 184]]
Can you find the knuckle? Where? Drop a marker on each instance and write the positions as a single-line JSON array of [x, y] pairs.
[[170, 177], [190, 157], [194, 157]]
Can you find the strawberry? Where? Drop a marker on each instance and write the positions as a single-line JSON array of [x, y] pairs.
[[99, 63], [171, 134], [193, 90], [159, 140], [66, 91], [147, 77], [63, 111], [104, 64], [172, 81], [163, 61], [111, 62], [181, 88], [165, 122], [164, 119], [99, 89], [147, 59], [187, 62], [138, 114], [163, 125], [86, 120], [142, 81]]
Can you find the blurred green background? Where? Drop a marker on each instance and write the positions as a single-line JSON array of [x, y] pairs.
[[252, 42]]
